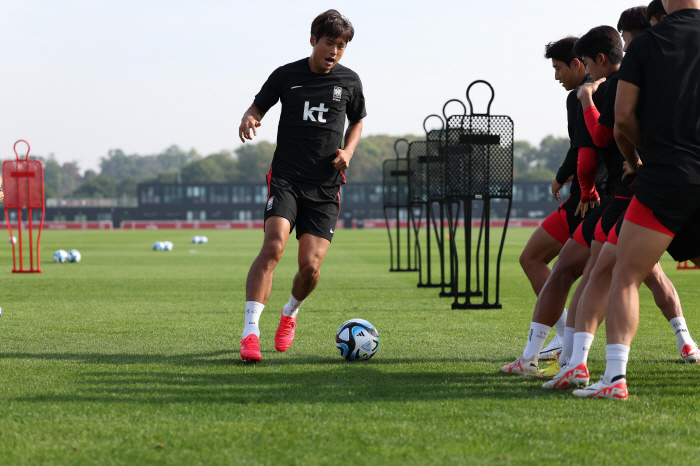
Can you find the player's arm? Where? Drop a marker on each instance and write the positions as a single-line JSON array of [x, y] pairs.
[[250, 121], [565, 174], [352, 138], [626, 115], [629, 152], [587, 170], [602, 135]]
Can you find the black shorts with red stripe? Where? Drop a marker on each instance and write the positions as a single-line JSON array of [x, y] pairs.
[[309, 208], [586, 230], [672, 209], [615, 210]]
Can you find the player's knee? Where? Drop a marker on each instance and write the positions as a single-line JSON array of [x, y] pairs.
[[310, 270], [525, 260], [564, 276], [272, 252]]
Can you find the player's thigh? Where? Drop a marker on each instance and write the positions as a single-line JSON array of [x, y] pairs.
[[638, 249], [277, 230], [312, 250], [541, 246], [572, 259]]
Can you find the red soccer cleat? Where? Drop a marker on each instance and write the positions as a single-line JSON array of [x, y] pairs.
[[609, 391], [250, 348], [569, 378], [690, 354], [284, 336]]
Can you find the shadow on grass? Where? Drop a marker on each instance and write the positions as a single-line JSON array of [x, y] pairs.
[[305, 378], [294, 379]]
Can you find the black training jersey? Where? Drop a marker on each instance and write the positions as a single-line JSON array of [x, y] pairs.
[[664, 63], [312, 122], [612, 156], [568, 167]]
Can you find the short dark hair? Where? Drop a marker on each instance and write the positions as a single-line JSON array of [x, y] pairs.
[[562, 50], [333, 25], [600, 39], [656, 10], [634, 20]]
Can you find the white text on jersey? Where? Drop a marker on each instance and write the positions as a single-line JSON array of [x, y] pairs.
[[308, 112]]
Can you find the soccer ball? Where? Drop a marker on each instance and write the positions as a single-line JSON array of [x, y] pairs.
[[167, 246], [357, 340], [13, 239], [158, 246], [203, 239], [60, 256], [74, 255], [196, 239]]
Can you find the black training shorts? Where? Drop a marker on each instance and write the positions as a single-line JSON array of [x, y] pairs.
[[309, 208], [686, 243], [615, 210], [672, 205], [585, 233]]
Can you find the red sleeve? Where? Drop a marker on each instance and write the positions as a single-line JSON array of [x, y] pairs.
[[587, 170], [601, 134]]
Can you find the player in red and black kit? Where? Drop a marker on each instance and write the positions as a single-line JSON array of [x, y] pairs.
[[317, 96], [572, 257], [590, 309], [657, 111], [548, 239]]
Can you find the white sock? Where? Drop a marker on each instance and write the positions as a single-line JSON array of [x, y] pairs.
[[292, 307], [560, 326], [582, 345], [682, 334], [535, 340], [568, 347], [252, 317], [616, 361]]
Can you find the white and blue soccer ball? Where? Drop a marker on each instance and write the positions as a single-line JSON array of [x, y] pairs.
[[167, 246], [357, 340], [13, 240], [158, 246], [196, 239], [60, 256], [74, 255], [203, 239]]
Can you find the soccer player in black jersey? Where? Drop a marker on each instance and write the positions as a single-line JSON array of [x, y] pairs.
[[547, 240], [657, 110], [317, 96], [590, 308], [572, 257], [655, 12]]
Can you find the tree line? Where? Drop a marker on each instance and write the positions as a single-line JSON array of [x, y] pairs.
[[120, 173]]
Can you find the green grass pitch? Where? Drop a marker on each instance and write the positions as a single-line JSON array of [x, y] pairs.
[[131, 357]]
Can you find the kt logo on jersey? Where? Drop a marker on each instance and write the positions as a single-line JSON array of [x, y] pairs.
[[309, 112]]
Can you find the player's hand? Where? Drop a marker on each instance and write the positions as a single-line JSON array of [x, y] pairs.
[[342, 161], [589, 88], [629, 170], [2, 195], [556, 186], [584, 206], [248, 123]]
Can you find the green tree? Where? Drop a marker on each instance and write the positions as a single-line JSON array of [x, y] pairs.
[[216, 168], [254, 161], [102, 187]]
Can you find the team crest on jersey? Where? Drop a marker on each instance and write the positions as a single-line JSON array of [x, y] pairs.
[[269, 202], [337, 93]]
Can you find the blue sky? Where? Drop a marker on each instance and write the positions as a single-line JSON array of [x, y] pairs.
[[83, 77]]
